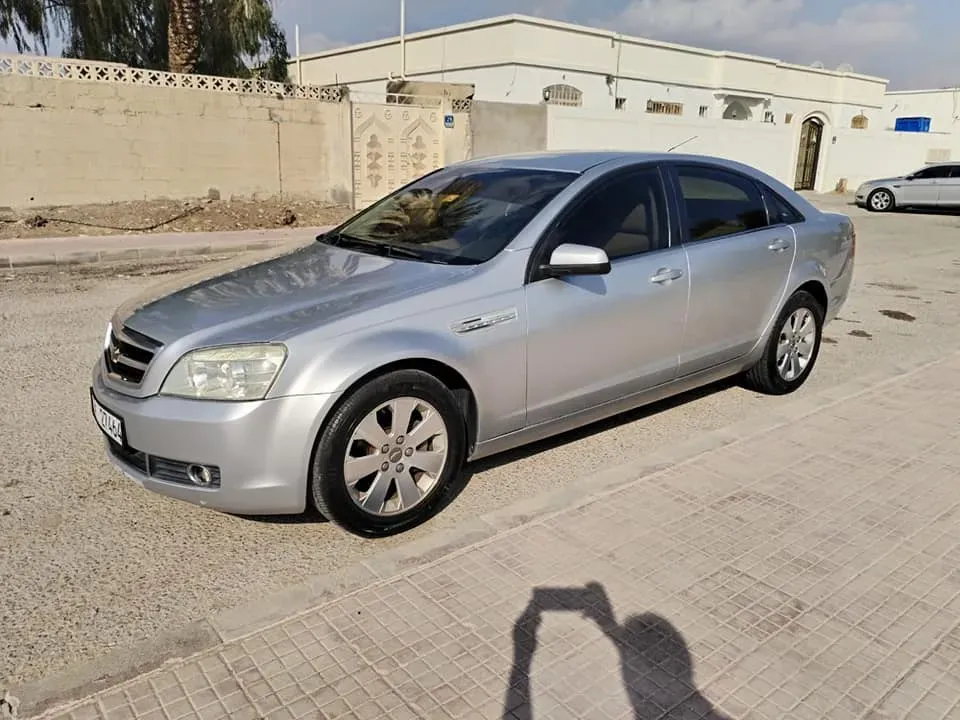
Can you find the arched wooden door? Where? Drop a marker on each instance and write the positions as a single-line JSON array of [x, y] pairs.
[[811, 133]]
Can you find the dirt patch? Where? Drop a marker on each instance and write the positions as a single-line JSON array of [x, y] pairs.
[[909, 297], [201, 215], [892, 286], [829, 341], [949, 292], [898, 315], [860, 334]]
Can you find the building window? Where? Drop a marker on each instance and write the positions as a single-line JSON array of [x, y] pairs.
[[859, 122], [664, 108], [736, 110], [704, 110], [562, 95], [788, 118], [768, 116], [621, 103]]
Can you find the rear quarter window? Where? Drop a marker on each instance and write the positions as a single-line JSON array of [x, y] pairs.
[[780, 211]]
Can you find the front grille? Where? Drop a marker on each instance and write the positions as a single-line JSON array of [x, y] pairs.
[[159, 468], [128, 355]]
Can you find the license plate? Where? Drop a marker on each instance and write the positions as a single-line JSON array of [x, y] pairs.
[[110, 424]]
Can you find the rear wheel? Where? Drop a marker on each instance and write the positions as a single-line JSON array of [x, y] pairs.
[[389, 455], [880, 201], [792, 348]]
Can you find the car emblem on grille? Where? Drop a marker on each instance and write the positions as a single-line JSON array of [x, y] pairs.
[[114, 354]]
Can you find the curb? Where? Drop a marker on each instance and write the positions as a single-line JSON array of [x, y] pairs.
[[179, 249], [117, 667]]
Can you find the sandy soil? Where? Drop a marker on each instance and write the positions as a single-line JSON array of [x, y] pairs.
[[200, 215]]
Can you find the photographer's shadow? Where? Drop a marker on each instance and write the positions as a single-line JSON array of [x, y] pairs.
[[655, 663]]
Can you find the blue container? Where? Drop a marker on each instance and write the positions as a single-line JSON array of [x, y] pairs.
[[912, 124]]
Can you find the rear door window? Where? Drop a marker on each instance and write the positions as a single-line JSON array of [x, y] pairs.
[[717, 203]]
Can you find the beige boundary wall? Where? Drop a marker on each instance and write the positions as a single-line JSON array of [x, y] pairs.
[[73, 132]]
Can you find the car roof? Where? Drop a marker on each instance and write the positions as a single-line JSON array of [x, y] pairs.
[[580, 161]]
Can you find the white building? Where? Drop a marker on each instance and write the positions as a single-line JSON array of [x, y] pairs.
[[942, 106], [522, 59], [811, 127]]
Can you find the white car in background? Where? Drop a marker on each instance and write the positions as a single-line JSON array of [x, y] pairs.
[[932, 186]]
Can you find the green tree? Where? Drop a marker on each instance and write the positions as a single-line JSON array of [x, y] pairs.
[[23, 22], [215, 37]]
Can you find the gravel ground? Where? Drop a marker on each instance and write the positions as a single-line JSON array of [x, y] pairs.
[[149, 216], [90, 561]]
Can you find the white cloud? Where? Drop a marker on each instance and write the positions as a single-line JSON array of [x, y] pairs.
[[773, 27]]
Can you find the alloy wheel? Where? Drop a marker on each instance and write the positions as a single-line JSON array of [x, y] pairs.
[[396, 456], [796, 344]]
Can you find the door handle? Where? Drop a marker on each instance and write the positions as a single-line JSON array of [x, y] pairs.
[[778, 245], [665, 275]]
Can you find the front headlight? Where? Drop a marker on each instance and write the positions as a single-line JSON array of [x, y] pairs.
[[232, 372]]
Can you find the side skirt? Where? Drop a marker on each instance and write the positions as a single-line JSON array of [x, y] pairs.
[[550, 428]]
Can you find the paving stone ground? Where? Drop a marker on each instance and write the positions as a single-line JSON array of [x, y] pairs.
[[812, 571]]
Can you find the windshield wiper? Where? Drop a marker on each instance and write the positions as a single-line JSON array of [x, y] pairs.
[[381, 248]]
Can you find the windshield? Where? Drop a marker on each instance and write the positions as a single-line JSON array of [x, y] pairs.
[[461, 216]]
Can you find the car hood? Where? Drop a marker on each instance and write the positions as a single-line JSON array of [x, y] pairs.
[[884, 181], [271, 299]]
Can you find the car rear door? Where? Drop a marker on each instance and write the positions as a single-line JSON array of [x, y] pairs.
[[598, 338], [948, 188], [739, 263]]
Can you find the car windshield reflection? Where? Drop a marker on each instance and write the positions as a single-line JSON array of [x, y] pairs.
[[454, 216]]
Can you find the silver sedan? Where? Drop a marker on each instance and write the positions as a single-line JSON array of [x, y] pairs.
[[484, 306], [936, 185]]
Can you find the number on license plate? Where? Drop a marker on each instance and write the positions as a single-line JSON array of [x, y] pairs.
[[110, 424]]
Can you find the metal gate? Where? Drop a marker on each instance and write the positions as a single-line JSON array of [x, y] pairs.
[[393, 143], [811, 133]]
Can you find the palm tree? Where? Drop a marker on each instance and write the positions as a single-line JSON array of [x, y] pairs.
[[183, 36], [214, 37], [115, 30], [23, 20]]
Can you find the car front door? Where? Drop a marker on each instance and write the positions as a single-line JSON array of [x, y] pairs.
[[593, 339], [921, 188], [739, 263], [948, 189]]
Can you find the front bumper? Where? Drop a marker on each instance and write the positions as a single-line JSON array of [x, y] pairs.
[[262, 449]]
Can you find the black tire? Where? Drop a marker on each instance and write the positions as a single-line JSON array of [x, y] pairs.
[[328, 488], [764, 377], [891, 204]]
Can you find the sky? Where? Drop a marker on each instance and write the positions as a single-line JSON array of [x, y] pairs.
[[910, 43]]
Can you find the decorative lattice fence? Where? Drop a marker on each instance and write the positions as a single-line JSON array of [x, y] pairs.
[[67, 69]]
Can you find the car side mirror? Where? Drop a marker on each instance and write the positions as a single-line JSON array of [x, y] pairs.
[[573, 259]]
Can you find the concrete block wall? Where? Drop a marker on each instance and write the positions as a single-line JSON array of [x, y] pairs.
[[72, 141], [499, 128]]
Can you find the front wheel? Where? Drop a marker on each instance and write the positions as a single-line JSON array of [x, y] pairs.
[[390, 454], [880, 201], [792, 348]]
